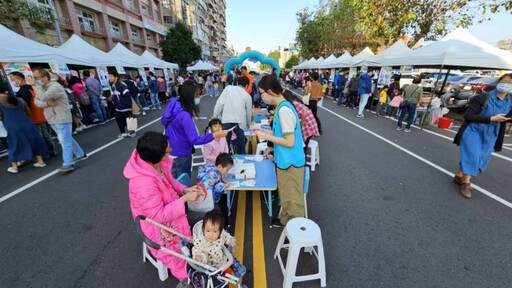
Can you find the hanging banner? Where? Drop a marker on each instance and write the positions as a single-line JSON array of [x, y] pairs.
[[22, 67], [152, 69], [385, 76], [166, 75], [103, 77], [352, 72], [406, 68], [142, 73], [120, 70], [59, 68]]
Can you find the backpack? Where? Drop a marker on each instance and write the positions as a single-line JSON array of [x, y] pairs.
[[85, 99]]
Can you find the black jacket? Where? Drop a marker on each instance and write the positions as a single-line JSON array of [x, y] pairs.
[[472, 114]]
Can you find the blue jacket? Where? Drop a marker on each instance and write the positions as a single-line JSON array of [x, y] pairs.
[[365, 84], [181, 130], [212, 180], [153, 85], [337, 79], [121, 96]]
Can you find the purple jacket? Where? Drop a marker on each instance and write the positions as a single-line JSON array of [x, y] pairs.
[[181, 130]]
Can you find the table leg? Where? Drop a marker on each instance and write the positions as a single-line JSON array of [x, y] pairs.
[[269, 203], [229, 202]]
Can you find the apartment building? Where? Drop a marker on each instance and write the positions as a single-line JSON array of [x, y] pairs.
[[138, 24], [206, 19]]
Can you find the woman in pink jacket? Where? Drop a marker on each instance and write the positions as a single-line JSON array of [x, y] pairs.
[[157, 195]]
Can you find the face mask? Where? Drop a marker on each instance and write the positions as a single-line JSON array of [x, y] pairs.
[[504, 87], [15, 84], [197, 100], [39, 83]]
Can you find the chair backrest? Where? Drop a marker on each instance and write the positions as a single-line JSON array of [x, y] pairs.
[[307, 174], [184, 179], [258, 117]]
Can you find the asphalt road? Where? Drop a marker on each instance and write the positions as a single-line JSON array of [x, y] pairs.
[[389, 213]]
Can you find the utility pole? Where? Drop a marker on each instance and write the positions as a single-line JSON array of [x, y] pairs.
[[56, 22]]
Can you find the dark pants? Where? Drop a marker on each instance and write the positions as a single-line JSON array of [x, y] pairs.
[[409, 108], [351, 99], [313, 105], [180, 165], [121, 120], [86, 118], [43, 128], [240, 137]]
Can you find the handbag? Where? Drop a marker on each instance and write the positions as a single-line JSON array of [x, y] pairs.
[[204, 203], [131, 123], [403, 103], [85, 99], [305, 99], [3, 131]]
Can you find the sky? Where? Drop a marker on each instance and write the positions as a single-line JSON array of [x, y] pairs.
[[265, 25]]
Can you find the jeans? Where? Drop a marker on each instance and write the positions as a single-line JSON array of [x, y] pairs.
[[409, 108], [86, 118], [341, 98], [155, 102], [211, 91], [43, 128], [180, 165], [69, 145], [362, 103], [216, 91], [142, 99], [100, 110], [240, 137]]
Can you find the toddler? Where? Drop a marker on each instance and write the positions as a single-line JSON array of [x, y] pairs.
[[211, 175], [217, 146], [435, 106], [383, 95], [209, 239]]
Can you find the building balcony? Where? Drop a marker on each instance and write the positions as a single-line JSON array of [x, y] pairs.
[[92, 28], [65, 22], [119, 35], [137, 40]]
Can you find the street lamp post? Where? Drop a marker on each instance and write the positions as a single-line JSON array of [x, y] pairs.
[[56, 22]]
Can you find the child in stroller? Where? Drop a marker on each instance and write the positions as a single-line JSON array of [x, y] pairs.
[[209, 238]]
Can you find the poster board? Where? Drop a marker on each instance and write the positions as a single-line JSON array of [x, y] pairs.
[[166, 75], [120, 70], [103, 77], [385, 76], [142, 73], [352, 72], [406, 68], [22, 67]]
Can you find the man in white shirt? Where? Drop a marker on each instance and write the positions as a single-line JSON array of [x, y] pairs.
[[235, 106]]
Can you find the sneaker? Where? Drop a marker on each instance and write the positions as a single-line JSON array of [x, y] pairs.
[[153, 108], [145, 108], [74, 133], [407, 130], [159, 108], [12, 170], [39, 165], [79, 129], [84, 127], [334, 101], [360, 116], [78, 159], [136, 113], [67, 168], [143, 113], [121, 135], [131, 134], [276, 223], [398, 128]]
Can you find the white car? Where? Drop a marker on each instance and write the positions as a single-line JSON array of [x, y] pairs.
[[406, 78]]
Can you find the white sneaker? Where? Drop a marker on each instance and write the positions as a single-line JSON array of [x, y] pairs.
[[121, 135], [145, 108], [38, 165], [79, 129], [407, 130], [360, 116], [398, 128], [143, 113], [131, 134]]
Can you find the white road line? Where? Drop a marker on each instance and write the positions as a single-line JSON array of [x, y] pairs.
[[476, 187], [56, 171]]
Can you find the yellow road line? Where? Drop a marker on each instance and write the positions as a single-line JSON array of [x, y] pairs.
[[240, 226], [259, 272]]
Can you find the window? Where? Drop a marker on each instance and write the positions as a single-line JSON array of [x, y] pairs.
[[149, 38], [135, 34], [145, 9], [39, 3], [129, 4], [86, 20], [114, 28], [168, 19]]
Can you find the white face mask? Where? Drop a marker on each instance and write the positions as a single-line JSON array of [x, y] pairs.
[[504, 87]]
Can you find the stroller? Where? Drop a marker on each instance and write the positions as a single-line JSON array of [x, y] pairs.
[[211, 277]]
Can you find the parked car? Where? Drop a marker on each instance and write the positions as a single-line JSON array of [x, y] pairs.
[[481, 83], [454, 81], [429, 79], [406, 78], [458, 96]]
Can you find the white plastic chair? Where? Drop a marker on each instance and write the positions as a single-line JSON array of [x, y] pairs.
[[163, 273], [260, 148], [198, 160], [301, 233], [313, 154]]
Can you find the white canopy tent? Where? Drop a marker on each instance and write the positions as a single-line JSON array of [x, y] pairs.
[[17, 48], [213, 67], [455, 50], [135, 61], [158, 62], [327, 62], [200, 65], [341, 60], [304, 64], [363, 55], [89, 53], [396, 50], [317, 63]]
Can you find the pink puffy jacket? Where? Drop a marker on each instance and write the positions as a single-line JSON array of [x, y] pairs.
[[158, 198]]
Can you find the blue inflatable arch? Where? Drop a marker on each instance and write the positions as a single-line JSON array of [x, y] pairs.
[[252, 54]]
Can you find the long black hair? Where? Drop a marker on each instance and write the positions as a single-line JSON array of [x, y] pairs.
[[270, 82], [11, 99], [189, 90], [73, 80]]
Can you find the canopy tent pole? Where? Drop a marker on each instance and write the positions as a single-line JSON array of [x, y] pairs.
[[437, 80], [444, 82]]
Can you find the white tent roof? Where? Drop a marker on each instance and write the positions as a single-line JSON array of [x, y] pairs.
[[319, 61], [158, 62], [200, 65], [306, 63], [87, 52], [457, 49], [301, 64], [327, 62], [341, 60], [396, 50], [134, 60], [366, 53], [17, 48]]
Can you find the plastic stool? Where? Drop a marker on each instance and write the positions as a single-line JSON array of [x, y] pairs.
[[314, 154], [301, 233], [200, 157], [260, 149], [163, 273]]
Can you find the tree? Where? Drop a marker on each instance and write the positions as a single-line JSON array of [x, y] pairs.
[[179, 47], [275, 55], [40, 18], [293, 61]]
